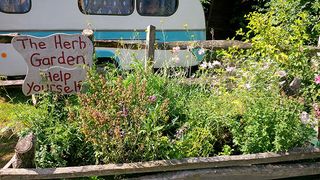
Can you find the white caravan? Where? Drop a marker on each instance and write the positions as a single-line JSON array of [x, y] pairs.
[[175, 20]]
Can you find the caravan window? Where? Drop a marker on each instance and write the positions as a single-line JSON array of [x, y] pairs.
[[15, 6], [106, 7], [157, 7]]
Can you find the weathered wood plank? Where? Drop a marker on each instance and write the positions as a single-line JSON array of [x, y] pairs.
[[246, 172], [212, 44], [159, 166], [151, 35], [11, 82], [6, 38], [209, 44]]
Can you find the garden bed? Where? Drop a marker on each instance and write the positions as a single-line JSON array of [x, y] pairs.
[[245, 101]]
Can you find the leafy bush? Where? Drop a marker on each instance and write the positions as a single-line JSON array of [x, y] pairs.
[[59, 140], [274, 81], [269, 123], [124, 118]]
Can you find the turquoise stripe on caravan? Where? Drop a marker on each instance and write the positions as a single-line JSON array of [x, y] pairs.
[[162, 36]]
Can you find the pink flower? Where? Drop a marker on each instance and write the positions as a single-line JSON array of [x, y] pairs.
[[176, 49], [317, 79], [176, 59], [152, 98], [124, 112], [316, 110]]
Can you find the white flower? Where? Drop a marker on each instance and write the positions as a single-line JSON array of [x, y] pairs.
[[176, 49], [210, 66], [203, 65], [216, 63], [189, 48], [304, 117], [248, 86], [201, 51], [266, 66], [230, 69], [176, 59], [281, 74]]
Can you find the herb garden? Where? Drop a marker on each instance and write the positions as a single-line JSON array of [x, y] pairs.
[[239, 101]]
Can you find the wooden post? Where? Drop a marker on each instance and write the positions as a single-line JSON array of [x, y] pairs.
[[24, 153], [318, 54], [150, 40]]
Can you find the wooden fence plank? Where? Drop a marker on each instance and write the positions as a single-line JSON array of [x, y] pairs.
[[11, 82], [159, 166], [246, 172], [6, 38], [209, 44]]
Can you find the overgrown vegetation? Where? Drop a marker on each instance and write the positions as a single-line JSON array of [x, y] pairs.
[[243, 101]]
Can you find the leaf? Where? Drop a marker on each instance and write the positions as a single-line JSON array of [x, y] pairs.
[[158, 128]]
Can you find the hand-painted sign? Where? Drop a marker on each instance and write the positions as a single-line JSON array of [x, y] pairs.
[[56, 63]]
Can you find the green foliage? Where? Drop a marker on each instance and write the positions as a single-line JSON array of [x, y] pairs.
[[270, 123], [14, 106], [59, 140], [243, 103], [205, 127], [125, 118], [262, 80]]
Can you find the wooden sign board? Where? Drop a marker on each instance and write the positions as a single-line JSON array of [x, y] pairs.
[[56, 63]]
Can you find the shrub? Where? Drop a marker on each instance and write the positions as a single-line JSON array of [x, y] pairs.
[[274, 81], [59, 140], [270, 123], [124, 118]]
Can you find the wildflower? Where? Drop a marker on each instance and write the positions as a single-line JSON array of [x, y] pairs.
[[281, 74], [210, 66], [190, 48], [124, 112], [181, 131], [203, 65], [230, 69], [304, 117], [248, 86], [266, 66], [176, 59], [175, 49], [152, 98], [316, 110], [317, 79], [314, 64], [216, 63], [201, 51], [122, 133]]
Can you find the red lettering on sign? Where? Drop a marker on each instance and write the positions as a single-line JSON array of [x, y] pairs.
[[59, 44]]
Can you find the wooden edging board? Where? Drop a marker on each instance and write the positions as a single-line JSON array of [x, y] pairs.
[[253, 172], [161, 165]]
